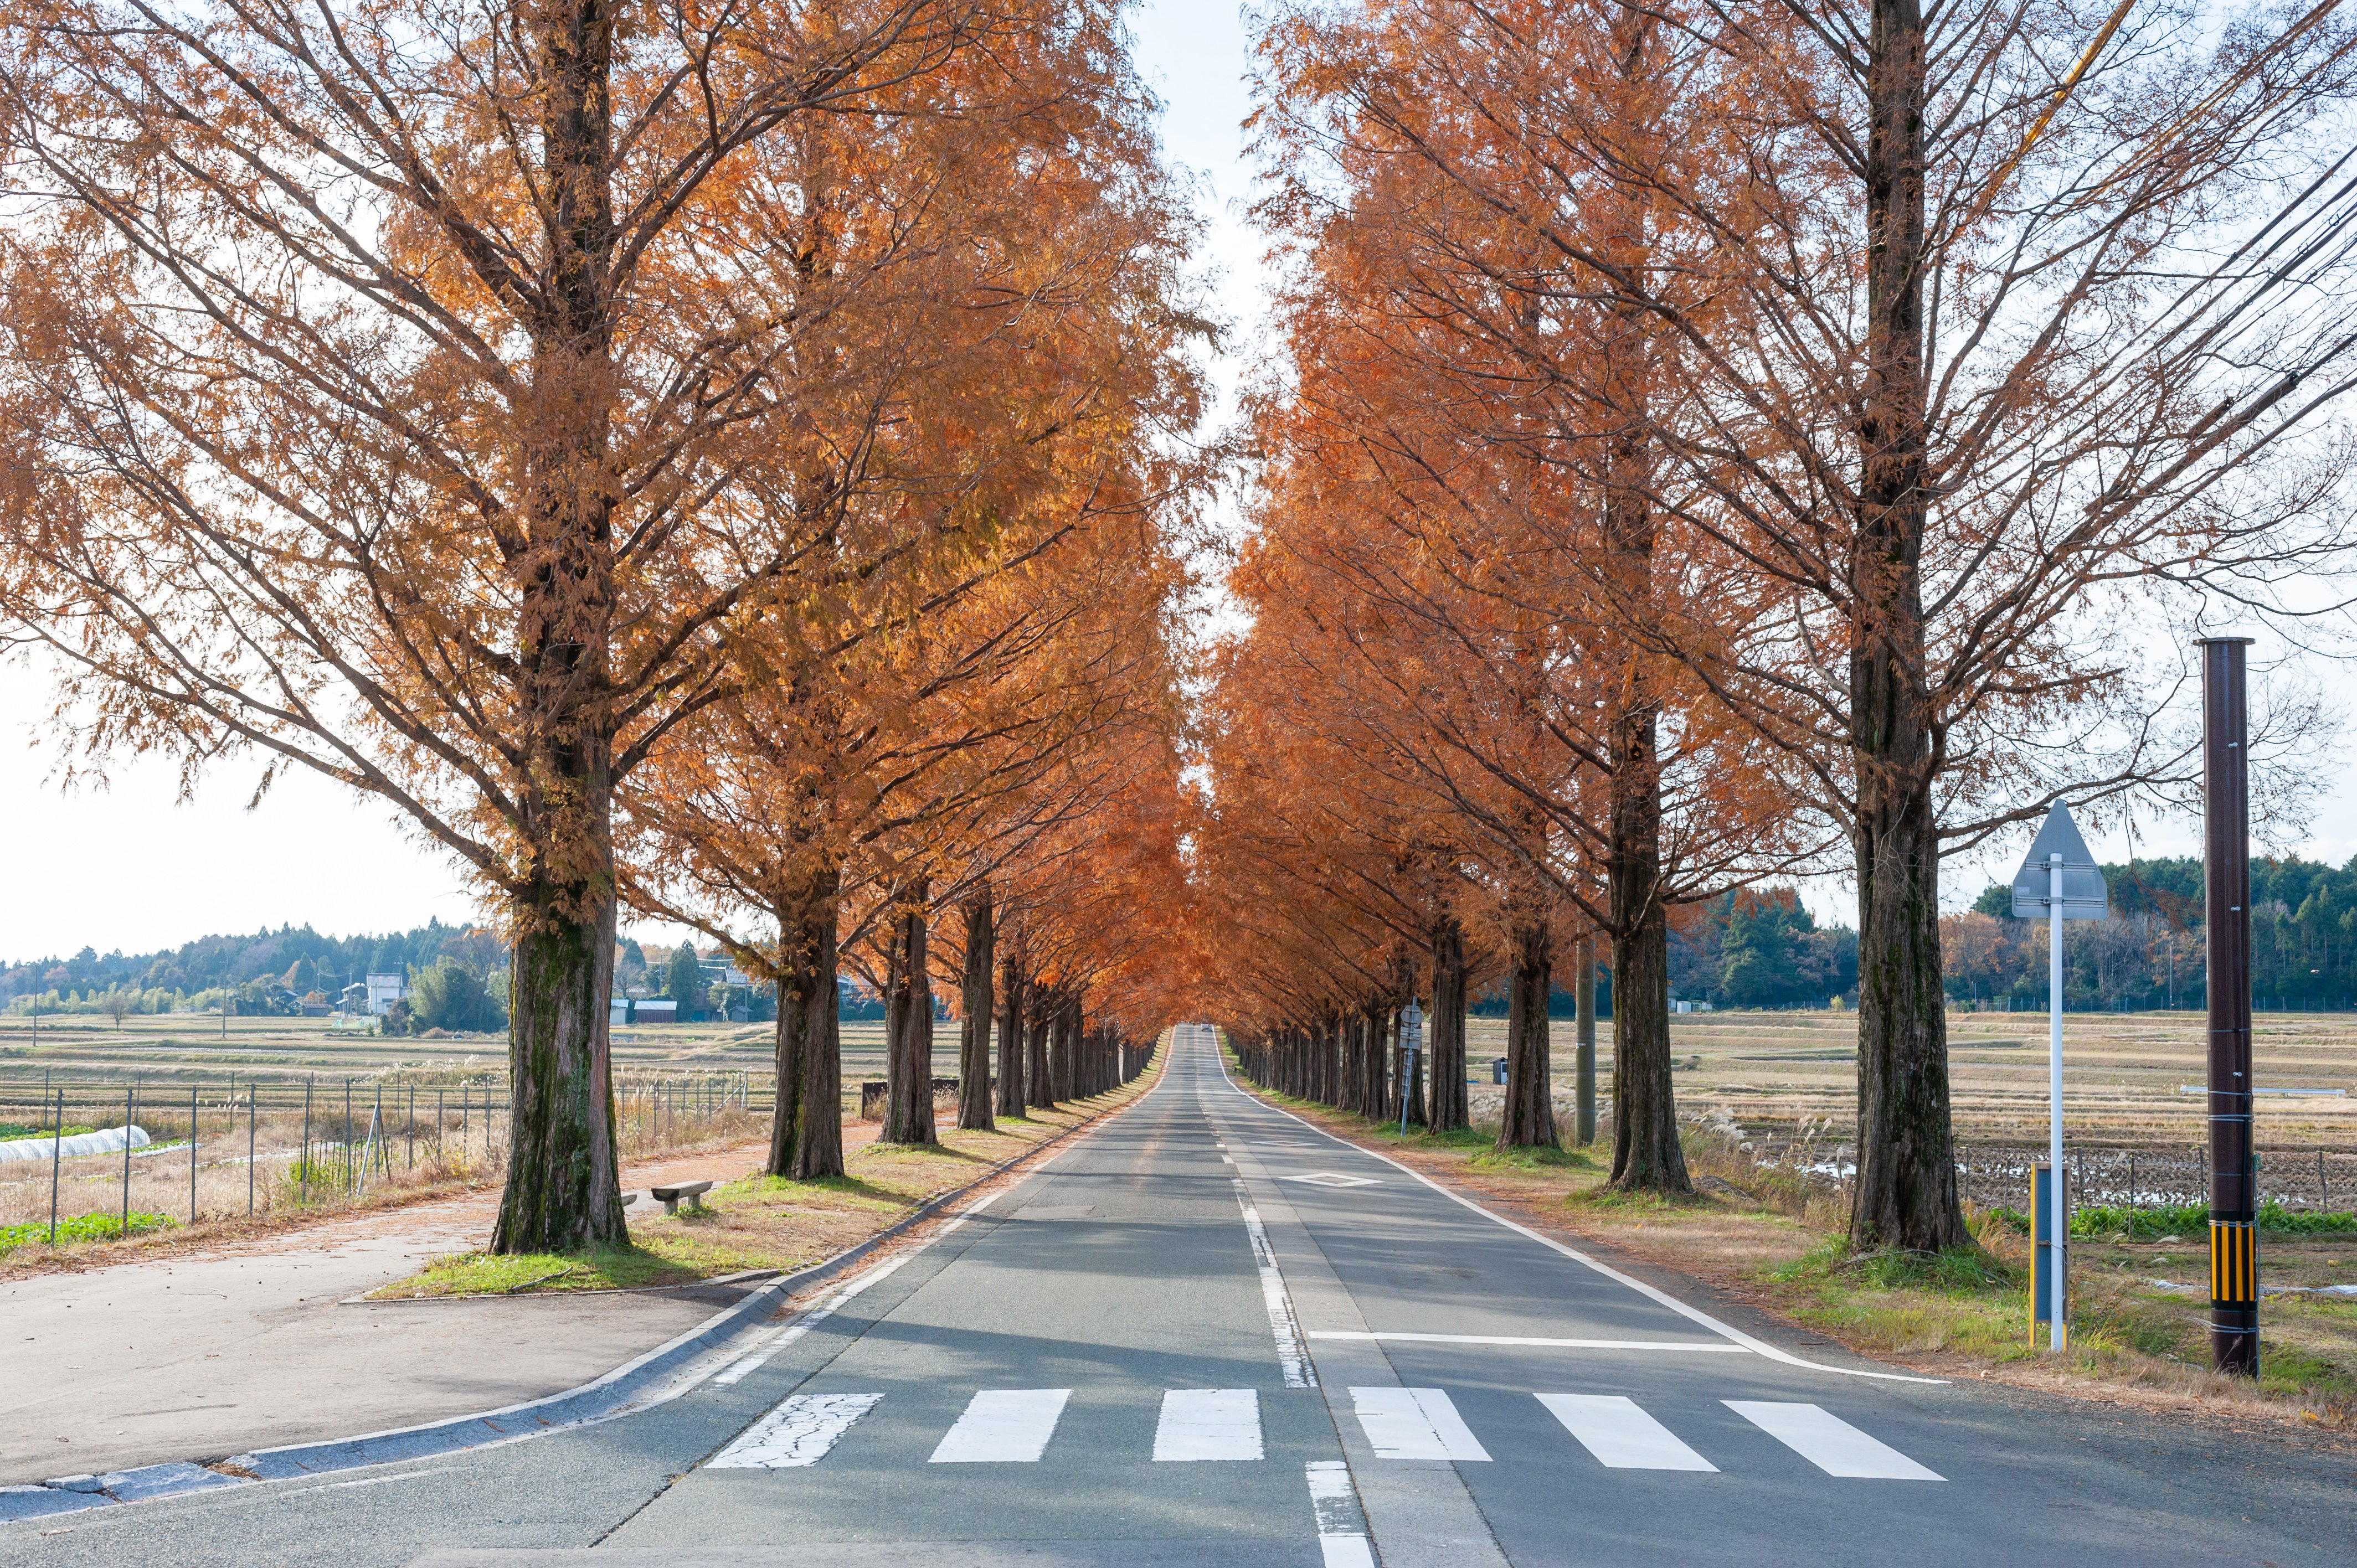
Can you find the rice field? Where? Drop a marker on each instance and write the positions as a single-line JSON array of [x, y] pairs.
[[1786, 1083], [287, 1113]]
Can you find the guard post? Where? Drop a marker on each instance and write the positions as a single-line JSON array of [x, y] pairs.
[[2047, 1279]]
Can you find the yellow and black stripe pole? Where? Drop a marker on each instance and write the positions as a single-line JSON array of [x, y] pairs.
[[2226, 843]]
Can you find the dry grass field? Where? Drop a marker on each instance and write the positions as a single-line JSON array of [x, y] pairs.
[[1781, 1080], [426, 1097]]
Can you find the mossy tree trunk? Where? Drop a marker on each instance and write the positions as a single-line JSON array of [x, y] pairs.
[[563, 1191]]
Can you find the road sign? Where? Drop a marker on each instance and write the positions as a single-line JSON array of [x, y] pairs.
[[2084, 895], [2060, 880]]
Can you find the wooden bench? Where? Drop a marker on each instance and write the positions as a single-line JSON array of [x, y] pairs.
[[875, 1092], [693, 1191]]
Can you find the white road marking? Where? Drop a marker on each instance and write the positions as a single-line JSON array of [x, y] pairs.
[[375, 1481], [1414, 1423], [1004, 1426], [1831, 1443], [1332, 1178], [1341, 1523], [1703, 1348], [1292, 1355], [1692, 1313], [1620, 1435], [1209, 1424], [796, 1434], [739, 1370]]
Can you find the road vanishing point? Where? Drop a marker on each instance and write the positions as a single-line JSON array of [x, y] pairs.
[[1207, 1333]]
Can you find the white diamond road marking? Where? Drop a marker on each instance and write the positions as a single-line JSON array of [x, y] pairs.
[[795, 1436], [1620, 1435], [1831, 1443], [1414, 1423], [1004, 1426], [1334, 1178], [1209, 1424]]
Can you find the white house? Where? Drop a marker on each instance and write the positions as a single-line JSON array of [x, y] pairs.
[[385, 990]]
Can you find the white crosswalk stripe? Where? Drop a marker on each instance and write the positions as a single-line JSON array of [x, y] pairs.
[[1414, 1423], [1620, 1435], [1004, 1426], [796, 1434], [1829, 1443], [1014, 1426], [1209, 1424]]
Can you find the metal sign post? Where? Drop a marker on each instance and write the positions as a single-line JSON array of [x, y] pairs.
[[2059, 879], [2226, 912], [1411, 1042]]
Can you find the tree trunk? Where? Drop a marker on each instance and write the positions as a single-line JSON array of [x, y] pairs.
[[1448, 1105], [1412, 1086], [806, 1133], [1011, 1003], [1063, 1050], [974, 1032], [1645, 1150], [1529, 1121], [1039, 1085], [1906, 1194], [563, 1191], [909, 1025]]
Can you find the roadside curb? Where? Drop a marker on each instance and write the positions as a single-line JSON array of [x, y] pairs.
[[651, 1379]]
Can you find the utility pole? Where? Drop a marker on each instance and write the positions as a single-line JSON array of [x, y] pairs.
[[2226, 893]]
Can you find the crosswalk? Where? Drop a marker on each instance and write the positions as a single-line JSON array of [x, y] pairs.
[[1017, 1426]]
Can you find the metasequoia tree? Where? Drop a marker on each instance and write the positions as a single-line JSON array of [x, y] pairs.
[[1985, 324], [981, 570], [381, 386], [1469, 452]]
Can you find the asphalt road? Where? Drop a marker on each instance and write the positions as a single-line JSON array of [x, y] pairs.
[[1208, 1334]]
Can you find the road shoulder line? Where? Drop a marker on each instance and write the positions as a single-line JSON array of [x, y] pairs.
[[1653, 1292]]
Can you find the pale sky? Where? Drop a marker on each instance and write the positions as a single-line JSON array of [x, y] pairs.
[[126, 868]]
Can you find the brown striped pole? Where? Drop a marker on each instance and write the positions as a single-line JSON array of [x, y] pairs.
[[2226, 911]]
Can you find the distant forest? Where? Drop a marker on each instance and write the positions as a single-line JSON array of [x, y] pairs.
[[2153, 950], [1757, 947], [1760, 948], [254, 974]]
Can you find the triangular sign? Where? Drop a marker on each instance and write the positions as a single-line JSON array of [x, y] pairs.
[[2084, 897]]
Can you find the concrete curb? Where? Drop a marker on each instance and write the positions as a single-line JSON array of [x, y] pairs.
[[635, 1385]]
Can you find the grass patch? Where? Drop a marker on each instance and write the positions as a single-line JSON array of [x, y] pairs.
[[11, 1131], [2189, 1222], [489, 1273], [82, 1228], [1489, 1158]]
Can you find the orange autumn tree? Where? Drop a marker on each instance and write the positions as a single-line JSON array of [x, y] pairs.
[[1467, 505], [392, 391], [1976, 334], [982, 502]]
